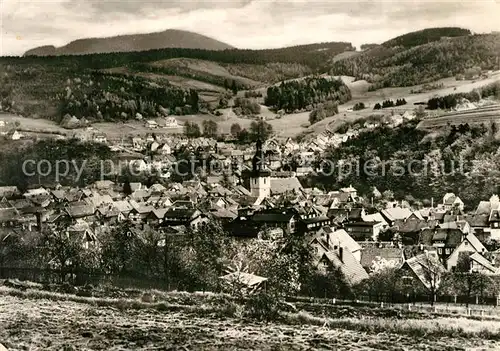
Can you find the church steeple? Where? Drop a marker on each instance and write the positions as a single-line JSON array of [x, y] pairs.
[[260, 179], [258, 161]]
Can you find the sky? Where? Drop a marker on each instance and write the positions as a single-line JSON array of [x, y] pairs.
[[253, 24]]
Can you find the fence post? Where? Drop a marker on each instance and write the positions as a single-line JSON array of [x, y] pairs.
[[409, 307], [333, 301], [382, 304]]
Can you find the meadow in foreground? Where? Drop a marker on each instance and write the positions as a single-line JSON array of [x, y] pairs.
[[38, 320]]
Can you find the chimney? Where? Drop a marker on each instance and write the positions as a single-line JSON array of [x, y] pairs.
[[341, 254], [39, 221]]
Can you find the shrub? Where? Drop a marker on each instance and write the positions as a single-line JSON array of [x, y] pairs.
[[247, 106], [359, 106], [263, 307]]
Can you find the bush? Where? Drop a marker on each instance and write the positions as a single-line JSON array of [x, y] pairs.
[[263, 307], [359, 106], [246, 106]]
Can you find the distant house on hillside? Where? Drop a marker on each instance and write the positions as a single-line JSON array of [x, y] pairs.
[[100, 138], [151, 124], [170, 122], [14, 135]]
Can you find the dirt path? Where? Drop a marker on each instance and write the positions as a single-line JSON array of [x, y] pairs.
[[47, 325]]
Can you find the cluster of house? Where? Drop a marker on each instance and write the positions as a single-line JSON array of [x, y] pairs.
[[339, 230]]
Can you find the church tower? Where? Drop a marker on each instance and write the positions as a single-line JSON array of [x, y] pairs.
[[260, 179]]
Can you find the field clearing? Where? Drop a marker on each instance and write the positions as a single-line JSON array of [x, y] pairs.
[[65, 325], [360, 93], [34, 125], [476, 116]]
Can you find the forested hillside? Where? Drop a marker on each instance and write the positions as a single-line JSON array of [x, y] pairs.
[[418, 165], [403, 61], [37, 86], [120, 97], [299, 94], [426, 36]]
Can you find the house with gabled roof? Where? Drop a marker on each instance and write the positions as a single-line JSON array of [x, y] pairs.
[[140, 211], [77, 210], [469, 243], [343, 259], [479, 264], [31, 193], [109, 214], [395, 213], [9, 192], [103, 184], [328, 239], [192, 218], [451, 201], [424, 270]]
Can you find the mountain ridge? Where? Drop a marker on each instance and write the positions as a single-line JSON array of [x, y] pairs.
[[170, 38]]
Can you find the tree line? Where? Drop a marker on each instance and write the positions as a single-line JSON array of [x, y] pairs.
[[104, 96], [306, 93], [389, 103], [399, 65], [446, 162], [258, 130]]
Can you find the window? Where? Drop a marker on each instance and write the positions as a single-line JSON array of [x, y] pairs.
[[407, 280], [448, 251], [264, 180], [466, 243], [440, 251]]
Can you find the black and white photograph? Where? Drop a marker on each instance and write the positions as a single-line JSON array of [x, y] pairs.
[[249, 175]]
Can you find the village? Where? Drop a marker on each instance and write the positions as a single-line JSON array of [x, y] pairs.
[[255, 193]]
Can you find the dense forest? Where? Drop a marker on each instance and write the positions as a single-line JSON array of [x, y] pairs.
[[426, 36], [306, 93], [415, 165], [119, 97], [407, 65], [312, 55], [46, 163]]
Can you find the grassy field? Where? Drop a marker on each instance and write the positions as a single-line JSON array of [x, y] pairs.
[[39, 320], [288, 126]]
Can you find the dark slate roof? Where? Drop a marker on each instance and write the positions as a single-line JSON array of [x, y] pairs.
[[272, 217], [478, 220], [411, 225], [180, 214], [451, 237]]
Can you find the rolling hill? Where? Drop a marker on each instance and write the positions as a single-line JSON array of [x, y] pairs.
[[421, 57], [202, 70], [171, 38]]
